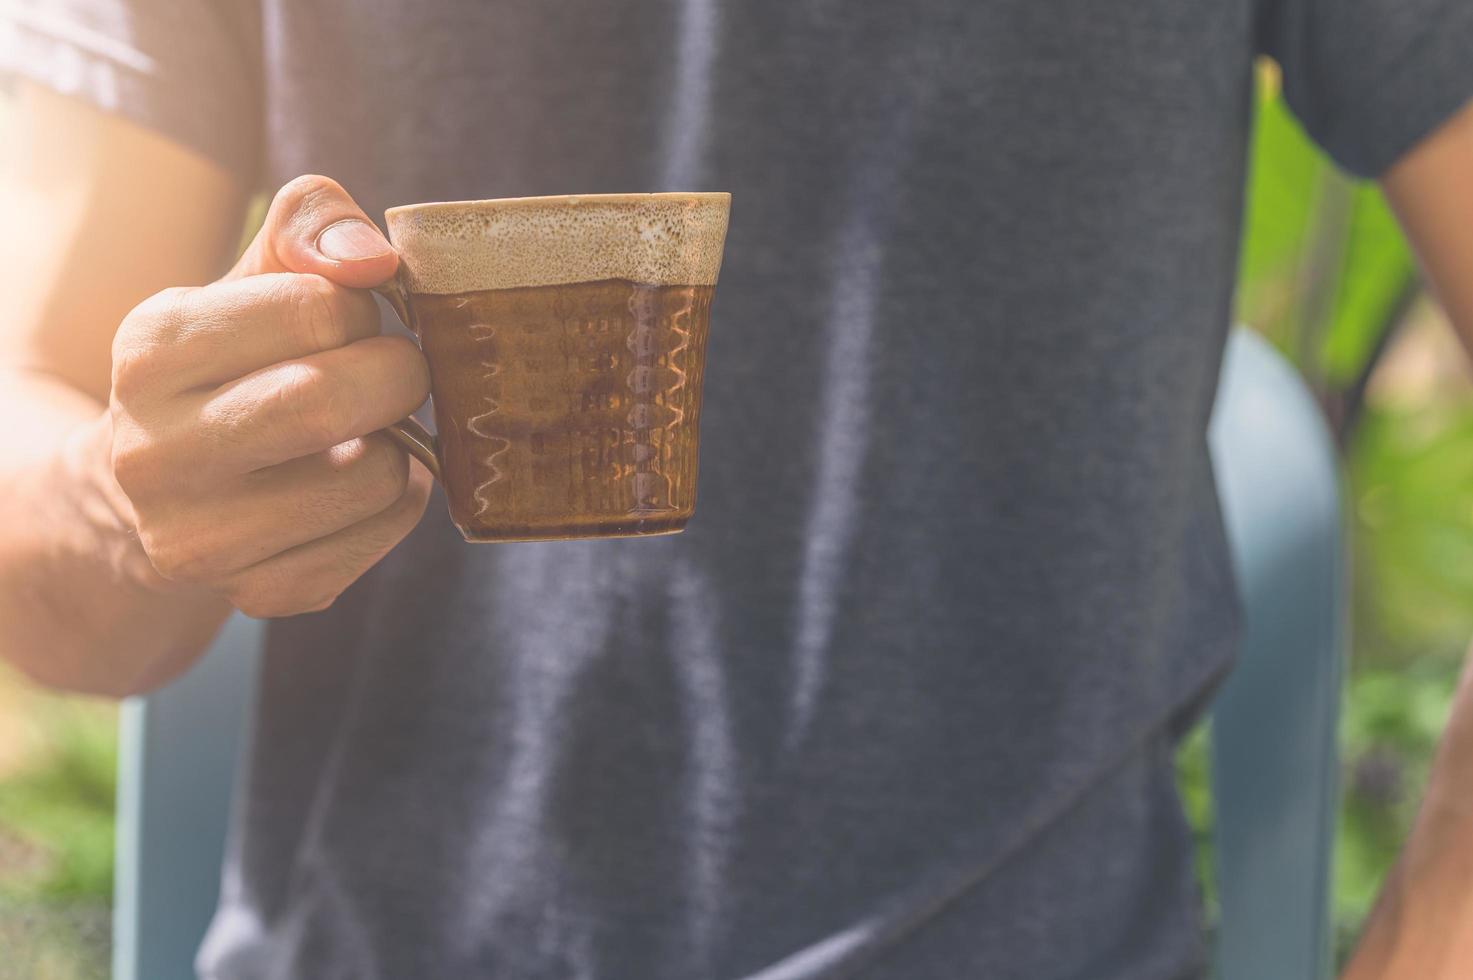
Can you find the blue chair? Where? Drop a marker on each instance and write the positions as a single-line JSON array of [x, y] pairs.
[[178, 757], [1275, 759], [1274, 763]]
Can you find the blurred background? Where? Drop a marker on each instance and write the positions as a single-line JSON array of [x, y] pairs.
[[1327, 277]]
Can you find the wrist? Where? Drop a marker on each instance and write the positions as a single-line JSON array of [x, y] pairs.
[[81, 606]]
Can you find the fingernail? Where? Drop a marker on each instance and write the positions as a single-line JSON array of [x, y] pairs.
[[352, 240]]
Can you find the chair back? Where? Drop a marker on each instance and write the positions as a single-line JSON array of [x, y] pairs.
[[1275, 761]]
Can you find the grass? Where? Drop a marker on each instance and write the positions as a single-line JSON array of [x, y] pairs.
[[54, 941], [57, 783]]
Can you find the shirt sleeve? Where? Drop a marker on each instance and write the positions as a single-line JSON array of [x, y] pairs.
[[188, 69], [1369, 78]]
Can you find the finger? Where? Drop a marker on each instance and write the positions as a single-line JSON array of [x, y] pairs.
[[309, 577], [190, 338], [313, 225], [304, 406], [279, 508]]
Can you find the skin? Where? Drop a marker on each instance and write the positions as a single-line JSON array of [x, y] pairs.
[[1422, 927], [171, 452]]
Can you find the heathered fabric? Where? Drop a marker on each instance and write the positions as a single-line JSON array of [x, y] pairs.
[[901, 702]]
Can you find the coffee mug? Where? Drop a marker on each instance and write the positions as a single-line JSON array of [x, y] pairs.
[[566, 340]]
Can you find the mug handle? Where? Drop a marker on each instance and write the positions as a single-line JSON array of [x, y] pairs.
[[408, 432]]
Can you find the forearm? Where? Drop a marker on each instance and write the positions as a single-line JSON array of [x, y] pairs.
[[1422, 926], [80, 605]]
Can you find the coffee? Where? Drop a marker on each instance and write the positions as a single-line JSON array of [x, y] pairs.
[[566, 340]]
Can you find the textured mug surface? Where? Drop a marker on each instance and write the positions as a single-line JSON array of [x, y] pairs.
[[566, 340]]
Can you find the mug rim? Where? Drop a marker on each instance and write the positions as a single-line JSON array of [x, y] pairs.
[[517, 203]]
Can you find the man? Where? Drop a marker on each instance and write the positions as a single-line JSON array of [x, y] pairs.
[[902, 701]]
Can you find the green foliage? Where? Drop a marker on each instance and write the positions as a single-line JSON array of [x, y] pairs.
[[1284, 171], [1327, 275], [52, 940], [1411, 470], [1393, 719], [1324, 266], [1376, 273], [1194, 782], [61, 807]]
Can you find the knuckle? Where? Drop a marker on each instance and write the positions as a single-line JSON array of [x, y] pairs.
[[421, 485], [180, 557], [415, 363], [410, 505], [302, 205], [269, 594], [323, 604], [401, 519], [360, 552], [302, 193], [131, 374], [259, 603], [402, 359], [317, 312], [383, 472], [316, 406], [163, 308], [417, 499], [282, 292], [137, 340], [369, 475], [133, 461]]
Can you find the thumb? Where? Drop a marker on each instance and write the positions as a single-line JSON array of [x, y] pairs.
[[314, 226]]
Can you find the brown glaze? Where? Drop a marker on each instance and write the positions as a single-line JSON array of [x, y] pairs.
[[567, 411]]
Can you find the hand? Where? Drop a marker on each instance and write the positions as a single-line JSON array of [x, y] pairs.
[[244, 414]]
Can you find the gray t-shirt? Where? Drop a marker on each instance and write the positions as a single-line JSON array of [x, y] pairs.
[[901, 702]]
